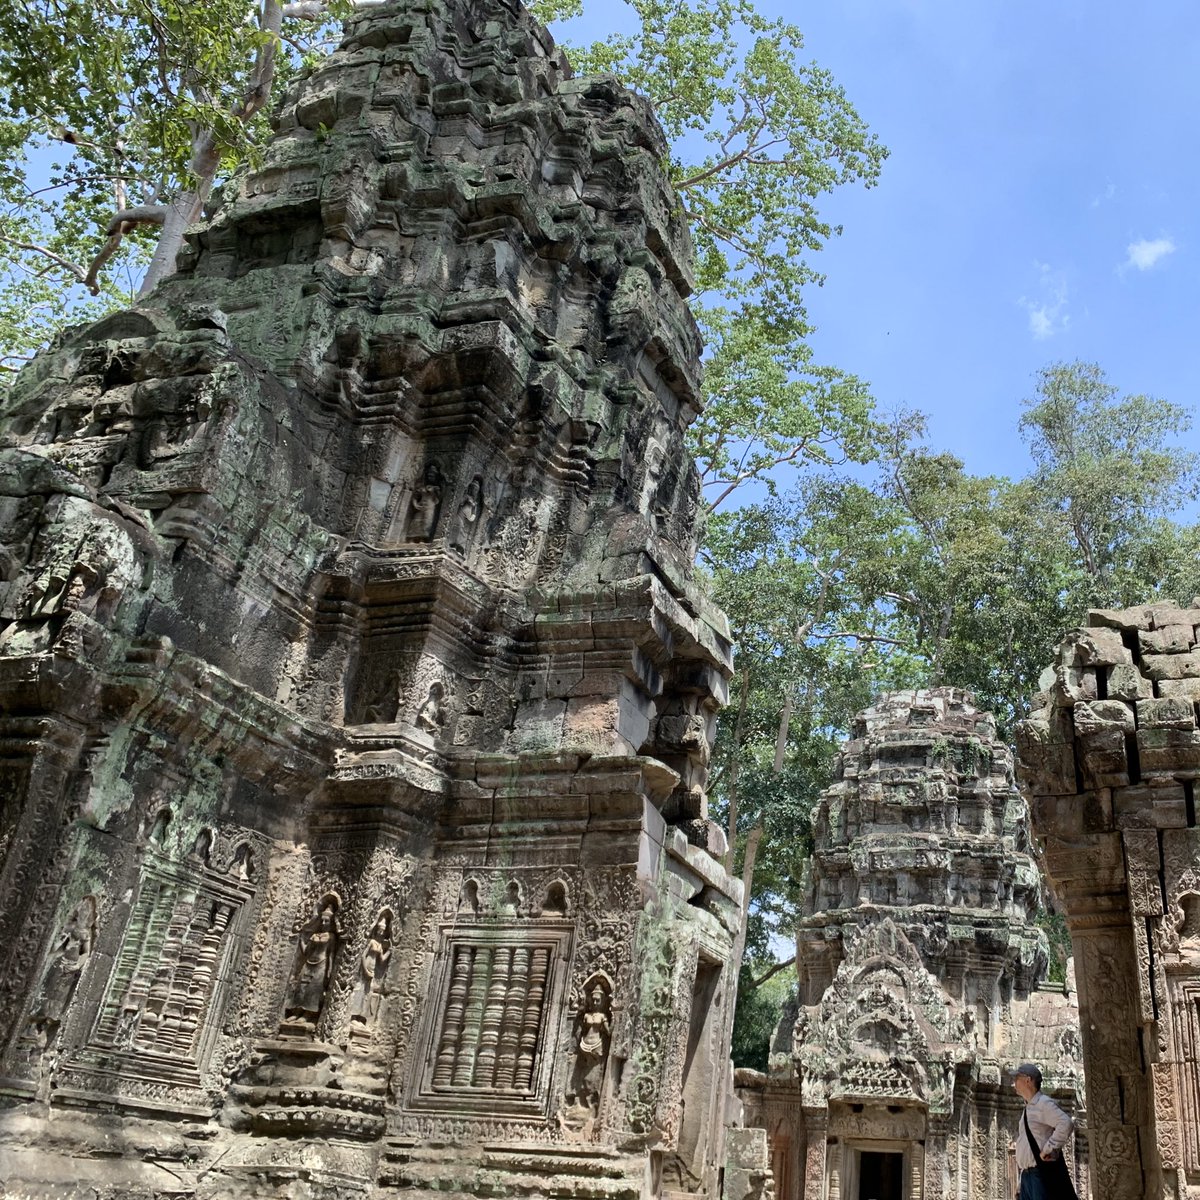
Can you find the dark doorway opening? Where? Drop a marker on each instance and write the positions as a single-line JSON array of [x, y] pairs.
[[880, 1176]]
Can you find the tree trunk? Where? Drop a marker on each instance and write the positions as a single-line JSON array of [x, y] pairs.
[[734, 770], [179, 216]]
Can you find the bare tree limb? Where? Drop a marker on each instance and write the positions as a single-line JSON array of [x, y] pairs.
[[70, 267], [142, 214], [731, 161], [734, 771], [122, 223], [862, 637], [779, 966], [752, 840]]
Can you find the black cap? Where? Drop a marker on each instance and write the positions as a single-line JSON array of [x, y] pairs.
[[1030, 1070]]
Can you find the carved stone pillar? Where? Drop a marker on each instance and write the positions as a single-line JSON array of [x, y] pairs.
[[916, 1173], [1111, 756], [816, 1125], [836, 1171], [936, 1133]]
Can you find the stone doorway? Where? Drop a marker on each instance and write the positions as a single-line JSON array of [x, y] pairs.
[[880, 1175]]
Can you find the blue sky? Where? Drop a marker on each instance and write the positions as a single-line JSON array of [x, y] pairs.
[[1040, 203]]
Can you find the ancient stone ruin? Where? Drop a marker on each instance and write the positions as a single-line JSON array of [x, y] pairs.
[[920, 971], [356, 695], [1111, 759]]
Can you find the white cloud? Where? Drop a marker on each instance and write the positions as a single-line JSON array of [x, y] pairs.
[[1110, 191], [1048, 309], [1144, 254]]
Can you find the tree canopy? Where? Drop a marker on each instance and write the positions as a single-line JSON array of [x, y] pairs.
[[123, 115], [759, 139], [916, 573], [118, 119]]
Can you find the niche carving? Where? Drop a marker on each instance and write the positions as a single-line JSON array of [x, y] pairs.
[[316, 951]]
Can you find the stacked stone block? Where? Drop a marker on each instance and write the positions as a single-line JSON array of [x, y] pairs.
[[1110, 757]]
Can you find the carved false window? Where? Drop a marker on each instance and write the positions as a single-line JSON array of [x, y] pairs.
[[486, 1035], [162, 1005], [1186, 1026]]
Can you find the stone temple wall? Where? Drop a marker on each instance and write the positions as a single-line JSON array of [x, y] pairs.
[[355, 691], [920, 971], [1111, 758]]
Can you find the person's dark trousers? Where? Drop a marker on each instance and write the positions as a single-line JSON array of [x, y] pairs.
[[1031, 1186]]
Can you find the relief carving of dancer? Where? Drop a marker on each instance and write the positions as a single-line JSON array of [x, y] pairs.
[[594, 1033], [368, 992], [66, 965], [315, 954]]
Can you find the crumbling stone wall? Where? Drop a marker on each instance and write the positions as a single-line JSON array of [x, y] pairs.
[[356, 694], [1110, 758]]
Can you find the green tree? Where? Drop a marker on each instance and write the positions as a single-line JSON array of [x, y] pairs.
[[917, 574], [1108, 467], [805, 579], [986, 584], [758, 138], [146, 105], [119, 117], [760, 1005]]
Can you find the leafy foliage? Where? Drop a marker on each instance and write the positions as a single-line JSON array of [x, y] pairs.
[[758, 1013], [758, 138], [919, 573], [121, 107], [1108, 468]]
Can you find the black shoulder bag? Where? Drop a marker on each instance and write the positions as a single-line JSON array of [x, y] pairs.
[[1053, 1173]]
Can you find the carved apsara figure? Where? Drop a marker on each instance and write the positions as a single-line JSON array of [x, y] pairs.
[[372, 972], [431, 716], [387, 701], [66, 966], [593, 1033], [468, 515], [202, 847], [315, 954], [593, 1044], [468, 898], [159, 826], [243, 863], [426, 501]]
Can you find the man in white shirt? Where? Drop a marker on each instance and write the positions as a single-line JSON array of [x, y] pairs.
[[1047, 1122]]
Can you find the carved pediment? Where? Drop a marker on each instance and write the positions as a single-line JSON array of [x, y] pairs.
[[880, 1026]]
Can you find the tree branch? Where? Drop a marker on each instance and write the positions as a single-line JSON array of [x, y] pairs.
[[317, 10], [862, 637], [70, 267], [756, 983], [731, 160], [122, 223]]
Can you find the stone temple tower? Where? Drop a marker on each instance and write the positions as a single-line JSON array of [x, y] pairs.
[[919, 964], [355, 692]]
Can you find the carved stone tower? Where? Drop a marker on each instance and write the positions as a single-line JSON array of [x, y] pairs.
[[919, 965], [355, 692]]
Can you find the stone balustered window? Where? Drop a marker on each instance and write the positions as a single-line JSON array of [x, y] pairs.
[[487, 1036]]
